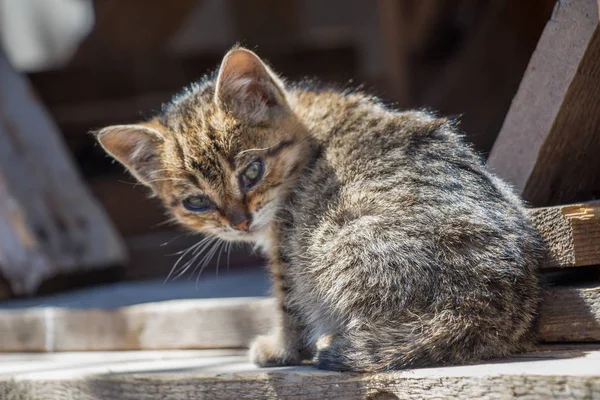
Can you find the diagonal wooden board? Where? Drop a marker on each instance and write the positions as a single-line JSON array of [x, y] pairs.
[[550, 373], [548, 145], [50, 224]]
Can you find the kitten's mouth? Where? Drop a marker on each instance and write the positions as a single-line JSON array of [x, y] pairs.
[[251, 235], [257, 228]]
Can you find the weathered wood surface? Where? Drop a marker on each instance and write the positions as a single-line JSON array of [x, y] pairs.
[[194, 375], [93, 321], [570, 315], [49, 222], [175, 324], [548, 146], [571, 233]]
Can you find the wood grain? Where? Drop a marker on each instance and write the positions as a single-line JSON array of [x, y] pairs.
[[570, 315], [49, 222], [567, 168], [175, 324], [567, 314], [571, 233], [194, 375], [549, 142]]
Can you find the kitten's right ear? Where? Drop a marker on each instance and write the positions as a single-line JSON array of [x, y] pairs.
[[137, 147], [247, 87]]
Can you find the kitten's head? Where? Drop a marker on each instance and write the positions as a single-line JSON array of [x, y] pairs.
[[222, 155]]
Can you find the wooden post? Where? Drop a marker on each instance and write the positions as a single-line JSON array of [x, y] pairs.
[[49, 222], [550, 141]]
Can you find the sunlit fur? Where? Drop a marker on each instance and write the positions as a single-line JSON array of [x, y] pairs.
[[390, 245]]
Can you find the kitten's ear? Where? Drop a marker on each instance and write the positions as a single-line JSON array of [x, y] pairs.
[[248, 87], [137, 147]]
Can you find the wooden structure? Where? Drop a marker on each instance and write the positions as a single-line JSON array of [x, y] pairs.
[[551, 373], [551, 134], [49, 222], [567, 315]]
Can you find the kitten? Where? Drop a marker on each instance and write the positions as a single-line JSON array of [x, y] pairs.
[[390, 245]]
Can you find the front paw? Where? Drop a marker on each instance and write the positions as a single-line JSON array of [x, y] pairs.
[[269, 351]]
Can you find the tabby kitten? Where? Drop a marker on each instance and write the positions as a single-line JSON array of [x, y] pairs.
[[390, 245]]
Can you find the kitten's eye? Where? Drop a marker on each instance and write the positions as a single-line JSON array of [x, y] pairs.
[[197, 203], [252, 174]]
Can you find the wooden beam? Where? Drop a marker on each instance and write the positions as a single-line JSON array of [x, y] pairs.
[[570, 315], [572, 373], [174, 324], [548, 146], [567, 314], [571, 233], [49, 222]]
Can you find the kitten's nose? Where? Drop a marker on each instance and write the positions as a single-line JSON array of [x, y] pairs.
[[240, 221]]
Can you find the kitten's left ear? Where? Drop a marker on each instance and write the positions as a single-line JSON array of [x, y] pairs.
[[248, 87], [137, 147]]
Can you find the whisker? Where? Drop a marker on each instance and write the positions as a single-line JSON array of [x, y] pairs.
[[228, 254], [197, 253], [191, 248], [204, 240], [189, 264], [165, 222], [172, 240], [168, 179], [129, 183], [263, 149], [220, 251], [195, 249], [169, 170], [206, 259]]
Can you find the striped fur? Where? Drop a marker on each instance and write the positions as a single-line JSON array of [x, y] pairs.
[[390, 244]]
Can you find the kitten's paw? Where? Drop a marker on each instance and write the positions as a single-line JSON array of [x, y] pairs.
[[268, 351]]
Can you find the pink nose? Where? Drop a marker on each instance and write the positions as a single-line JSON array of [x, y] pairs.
[[242, 225]]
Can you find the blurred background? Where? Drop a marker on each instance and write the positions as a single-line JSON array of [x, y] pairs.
[[103, 62]]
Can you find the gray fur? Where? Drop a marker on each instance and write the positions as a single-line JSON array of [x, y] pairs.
[[403, 247], [392, 247]]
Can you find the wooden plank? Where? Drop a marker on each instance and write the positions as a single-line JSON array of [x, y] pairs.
[[549, 142], [194, 375], [570, 315], [571, 233], [207, 323], [49, 222], [567, 314]]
